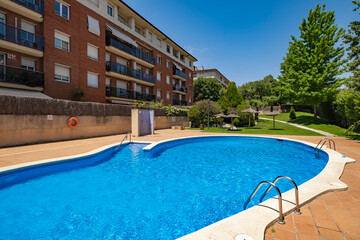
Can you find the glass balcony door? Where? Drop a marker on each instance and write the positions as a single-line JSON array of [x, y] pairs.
[[2, 25]]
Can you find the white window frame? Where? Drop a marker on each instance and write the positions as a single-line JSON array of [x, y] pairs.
[[157, 94], [62, 78], [93, 25], [27, 66], [158, 76], [168, 80], [168, 96], [91, 85], [61, 9], [109, 6], [158, 59], [95, 58], [168, 64], [62, 41]]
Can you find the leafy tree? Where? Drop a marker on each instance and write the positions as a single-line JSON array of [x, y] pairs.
[[207, 88], [292, 113], [271, 100], [258, 89], [194, 116], [199, 111], [353, 39], [309, 73], [231, 98]]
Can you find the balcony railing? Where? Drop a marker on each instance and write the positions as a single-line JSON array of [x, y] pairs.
[[124, 70], [137, 52], [179, 73], [21, 76], [124, 93], [179, 88], [19, 36], [35, 5], [179, 102]]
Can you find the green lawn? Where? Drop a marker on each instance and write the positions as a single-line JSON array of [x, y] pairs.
[[307, 119], [265, 127]]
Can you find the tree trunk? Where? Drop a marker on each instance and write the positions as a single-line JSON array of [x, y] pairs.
[[315, 113]]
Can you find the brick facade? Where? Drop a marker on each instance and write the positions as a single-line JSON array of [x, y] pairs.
[[77, 58]]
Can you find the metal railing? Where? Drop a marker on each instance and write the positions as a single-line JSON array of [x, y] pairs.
[[125, 137], [281, 215], [323, 141], [124, 70], [297, 209], [35, 5], [179, 102], [179, 88], [273, 184], [124, 93], [179, 73], [21, 76], [137, 52], [22, 37]]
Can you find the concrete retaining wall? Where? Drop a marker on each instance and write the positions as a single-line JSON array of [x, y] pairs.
[[29, 129]]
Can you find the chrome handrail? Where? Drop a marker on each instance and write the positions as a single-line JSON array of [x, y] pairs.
[[297, 210], [323, 141], [125, 137], [281, 216]]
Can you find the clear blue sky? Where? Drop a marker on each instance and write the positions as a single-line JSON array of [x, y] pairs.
[[244, 40]]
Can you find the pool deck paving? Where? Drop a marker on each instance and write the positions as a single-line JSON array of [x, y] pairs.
[[333, 215]]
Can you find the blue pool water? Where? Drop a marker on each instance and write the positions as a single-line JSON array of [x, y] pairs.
[[172, 190]]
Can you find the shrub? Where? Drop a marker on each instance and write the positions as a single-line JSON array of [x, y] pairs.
[[194, 115], [355, 128], [236, 122], [77, 94], [292, 114]]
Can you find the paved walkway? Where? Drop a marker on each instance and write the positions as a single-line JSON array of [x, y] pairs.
[[334, 215], [303, 127]]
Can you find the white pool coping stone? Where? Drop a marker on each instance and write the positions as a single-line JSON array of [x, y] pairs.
[[253, 221]]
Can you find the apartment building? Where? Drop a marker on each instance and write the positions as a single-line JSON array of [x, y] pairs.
[[211, 73], [102, 48]]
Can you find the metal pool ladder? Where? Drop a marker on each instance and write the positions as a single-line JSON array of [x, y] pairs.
[[323, 141], [125, 137], [273, 184]]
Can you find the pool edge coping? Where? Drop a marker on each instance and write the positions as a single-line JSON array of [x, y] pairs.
[[244, 222]]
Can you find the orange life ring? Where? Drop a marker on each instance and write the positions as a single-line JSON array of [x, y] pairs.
[[71, 120]]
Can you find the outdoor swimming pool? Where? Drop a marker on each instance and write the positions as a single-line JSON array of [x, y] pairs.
[[172, 190]]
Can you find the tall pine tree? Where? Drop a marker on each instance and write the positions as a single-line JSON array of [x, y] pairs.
[[353, 39], [309, 73]]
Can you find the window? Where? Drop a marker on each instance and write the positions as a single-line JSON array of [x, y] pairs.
[[168, 49], [107, 57], [158, 94], [92, 80], [189, 75], [93, 26], [189, 100], [158, 42], [175, 54], [167, 79], [94, 2], [190, 88], [159, 59], [190, 63], [167, 64], [138, 88], [61, 9], [92, 52], [107, 82], [62, 41], [27, 33], [62, 73], [147, 90], [182, 58], [158, 76], [110, 10], [168, 95], [28, 64], [122, 20], [150, 36], [137, 29]]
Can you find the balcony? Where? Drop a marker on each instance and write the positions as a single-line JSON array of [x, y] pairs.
[[124, 93], [32, 9], [179, 102], [131, 74], [35, 5], [179, 88], [21, 76], [128, 51], [181, 75], [19, 40]]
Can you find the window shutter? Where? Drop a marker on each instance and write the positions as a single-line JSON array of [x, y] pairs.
[[28, 27], [28, 63], [93, 26], [63, 71], [93, 80], [62, 37], [92, 52]]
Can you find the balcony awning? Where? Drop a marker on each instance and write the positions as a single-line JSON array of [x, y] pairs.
[[22, 93], [177, 66], [122, 36]]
